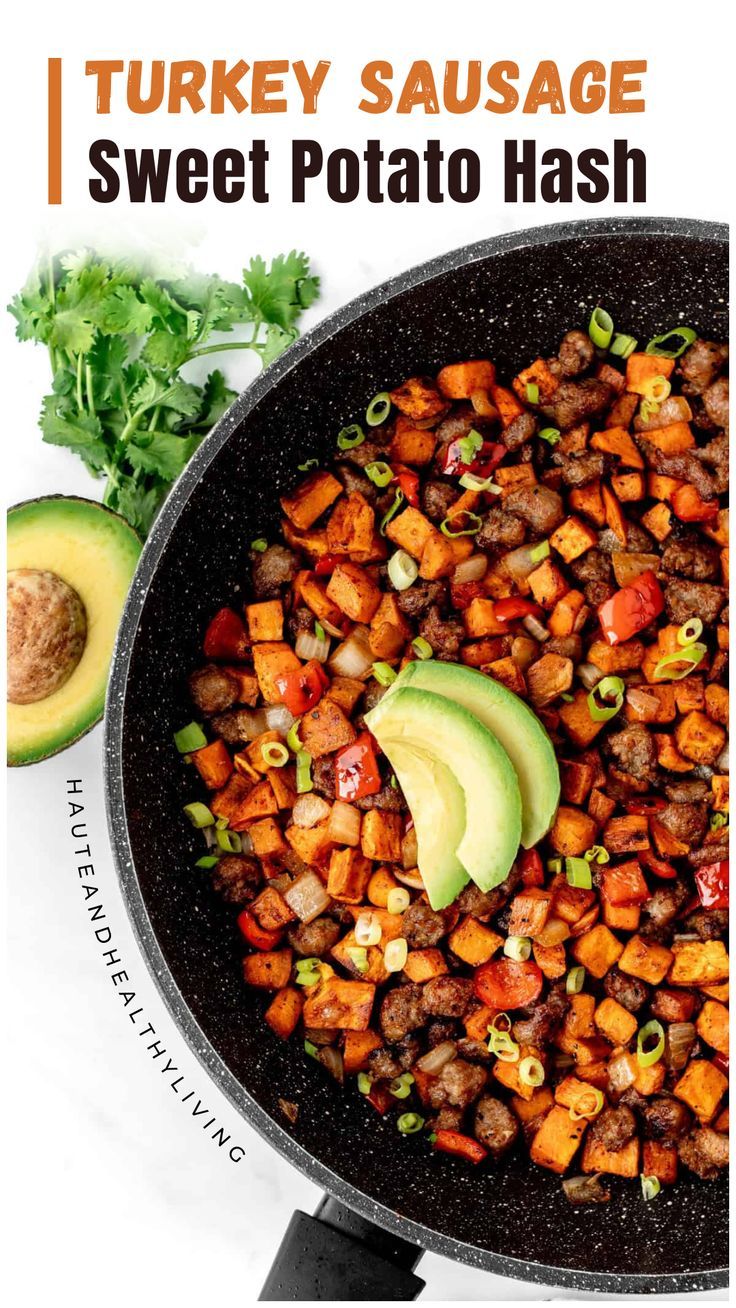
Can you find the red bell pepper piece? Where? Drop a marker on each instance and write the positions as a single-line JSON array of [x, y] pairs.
[[721, 1062], [408, 484], [712, 883], [624, 884], [381, 1098], [462, 1146], [301, 689], [631, 609], [689, 505], [488, 457], [356, 769], [507, 984], [658, 866], [327, 564], [646, 807], [464, 592], [508, 610], [226, 637], [255, 934], [532, 868]]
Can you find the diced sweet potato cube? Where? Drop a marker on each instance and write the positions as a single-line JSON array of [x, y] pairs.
[[621, 917], [655, 704], [345, 1005], [513, 477], [571, 1090], [272, 659], [271, 910], [658, 521], [720, 788], [376, 970], [624, 657], [312, 844], [268, 970], [646, 960], [410, 530], [589, 501], [702, 1087], [615, 1022], [351, 525], [548, 678], [346, 691], [649, 1080], [419, 399], [659, 1160], [265, 620], [597, 950], [698, 963], [482, 652], [457, 381], [699, 739], [284, 1011], [529, 912], [716, 704], [617, 441], [673, 439], [349, 874], [573, 831], [667, 845], [507, 1074], [380, 836], [528, 1110], [669, 756], [628, 486], [556, 1142], [575, 718], [423, 964], [576, 779], [600, 806], [625, 835], [267, 837], [572, 538], [547, 584], [579, 1019], [282, 781], [507, 404], [259, 803], [381, 884], [690, 694], [325, 728], [712, 1025], [550, 959], [507, 671], [477, 1021], [354, 591], [358, 1045], [480, 620], [473, 942], [641, 369], [564, 617], [310, 499], [413, 445], [539, 375], [213, 763], [616, 1162], [615, 518]]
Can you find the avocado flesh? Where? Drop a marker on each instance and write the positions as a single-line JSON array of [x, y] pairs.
[[441, 729], [95, 552], [513, 723], [437, 805]]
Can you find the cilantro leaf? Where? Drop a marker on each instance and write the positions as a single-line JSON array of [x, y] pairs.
[[165, 454]]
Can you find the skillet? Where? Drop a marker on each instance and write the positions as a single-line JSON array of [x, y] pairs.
[[510, 298]]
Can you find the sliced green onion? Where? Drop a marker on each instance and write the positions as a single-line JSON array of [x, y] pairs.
[[310, 1049], [609, 686], [303, 772], [532, 393], [189, 738], [600, 328], [588, 1104], [260, 545], [207, 861], [395, 955], [401, 1086], [622, 346], [502, 1044], [308, 465], [656, 389], [379, 472], [474, 524], [222, 824], [554, 865], [385, 520], [403, 570], [350, 437], [397, 900], [649, 409], [597, 854], [539, 552], [718, 820], [422, 648], [470, 445], [567, 698], [274, 754], [378, 409], [365, 1083], [470, 481], [199, 815], [383, 673], [228, 841], [531, 1072], [690, 656], [393, 781], [358, 957], [292, 737], [319, 631], [550, 434], [659, 344], [307, 978], [432, 1137], [501, 1022], [575, 980], [409, 1123], [307, 964], [690, 631], [518, 947], [367, 929], [650, 1187], [577, 871], [646, 1057]]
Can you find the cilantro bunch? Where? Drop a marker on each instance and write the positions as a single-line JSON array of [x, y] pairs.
[[118, 335]]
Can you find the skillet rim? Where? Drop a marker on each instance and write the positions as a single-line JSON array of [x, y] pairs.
[[545, 1274]]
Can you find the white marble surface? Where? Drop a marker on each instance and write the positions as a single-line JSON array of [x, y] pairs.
[[117, 1195]]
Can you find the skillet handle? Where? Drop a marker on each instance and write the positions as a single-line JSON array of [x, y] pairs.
[[337, 1255]]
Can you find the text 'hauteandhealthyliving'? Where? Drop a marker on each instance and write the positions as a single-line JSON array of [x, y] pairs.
[[119, 975]]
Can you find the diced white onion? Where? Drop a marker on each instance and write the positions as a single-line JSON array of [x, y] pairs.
[[589, 674], [403, 570], [641, 701], [411, 878], [674, 408], [308, 646], [307, 897], [680, 1040], [353, 658], [554, 931], [398, 899], [344, 823], [278, 718], [722, 760], [367, 930], [523, 651], [409, 854], [519, 563], [620, 1075], [252, 723], [535, 627], [395, 955], [471, 569], [332, 1060], [433, 1062], [309, 810]]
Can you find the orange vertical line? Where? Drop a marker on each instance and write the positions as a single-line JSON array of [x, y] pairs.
[[54, 131]]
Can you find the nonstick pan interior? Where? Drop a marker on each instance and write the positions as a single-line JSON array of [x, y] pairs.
[[508, 299]]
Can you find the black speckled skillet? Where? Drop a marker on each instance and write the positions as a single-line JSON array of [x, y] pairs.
[[511, 298]]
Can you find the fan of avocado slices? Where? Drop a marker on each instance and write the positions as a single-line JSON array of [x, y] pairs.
[[478, 770]]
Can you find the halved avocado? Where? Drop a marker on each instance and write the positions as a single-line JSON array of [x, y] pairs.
[[513, 723], [70, 563], [440, 729]]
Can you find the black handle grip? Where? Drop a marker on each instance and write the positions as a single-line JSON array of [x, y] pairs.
[[337, 1255]]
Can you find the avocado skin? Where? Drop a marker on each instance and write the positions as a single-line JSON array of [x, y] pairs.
[[96, 552], [439, 727], [510, 719]]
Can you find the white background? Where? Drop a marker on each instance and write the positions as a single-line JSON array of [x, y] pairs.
[[117, 1196]]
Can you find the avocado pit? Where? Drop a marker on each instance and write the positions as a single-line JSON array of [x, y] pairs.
[[47, 632]]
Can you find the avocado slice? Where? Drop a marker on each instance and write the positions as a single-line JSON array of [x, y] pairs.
[[441, 729], [70, 564], [513, 723], [437, 803]]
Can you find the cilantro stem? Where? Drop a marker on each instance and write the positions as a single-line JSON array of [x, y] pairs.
[[89, 386], [80, 397], [154, 418], [215, 349]]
